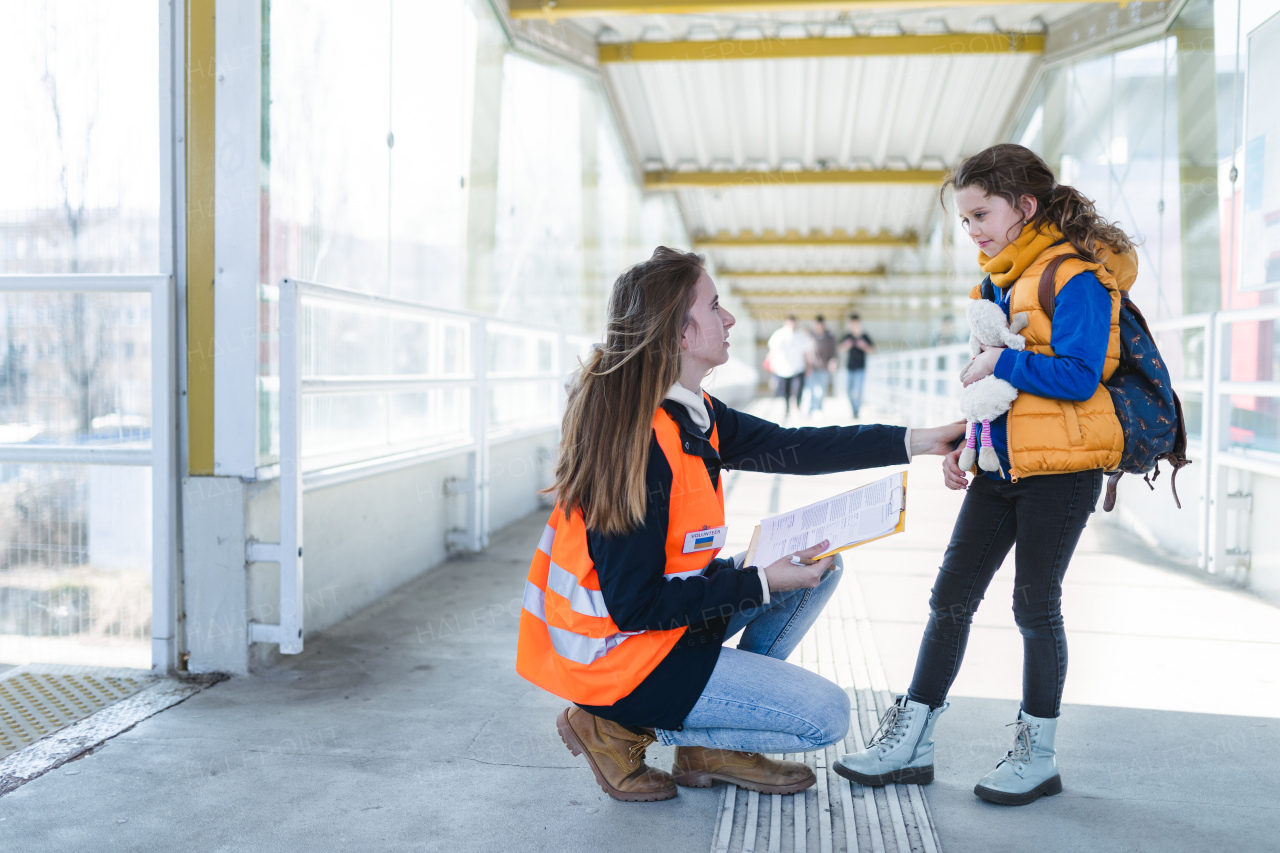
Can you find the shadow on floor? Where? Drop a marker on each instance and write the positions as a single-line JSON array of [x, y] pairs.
[[1134, 780], [404, 728]]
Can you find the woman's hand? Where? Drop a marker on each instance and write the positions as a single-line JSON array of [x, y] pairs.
[[785, 575], [982, 366], [936, 441], [951, 474]]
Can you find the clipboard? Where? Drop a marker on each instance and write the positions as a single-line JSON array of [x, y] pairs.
[[899, 528]]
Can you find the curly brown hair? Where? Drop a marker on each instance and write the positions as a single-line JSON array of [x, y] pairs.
[[1012, 171]]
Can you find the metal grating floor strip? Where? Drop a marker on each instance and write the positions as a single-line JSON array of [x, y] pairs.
[[37, 701], [834, 815], [153, 695]]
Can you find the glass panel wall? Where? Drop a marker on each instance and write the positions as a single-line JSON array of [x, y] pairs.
[[1170, 140], [410, 151], [79, 194], [79, 175], [1250, 198]]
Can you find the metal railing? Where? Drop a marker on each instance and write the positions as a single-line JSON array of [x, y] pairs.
[[160, 455], [921, 386], [483, 356], [1214, 450]]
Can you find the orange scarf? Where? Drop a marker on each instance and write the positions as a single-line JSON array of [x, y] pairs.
[[1013, 260]]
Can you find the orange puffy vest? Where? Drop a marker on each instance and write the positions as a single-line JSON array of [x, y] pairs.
[[569, 645], [1049, 436]]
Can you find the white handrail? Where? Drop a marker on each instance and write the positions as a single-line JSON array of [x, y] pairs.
[[77, 283], [74, 454], [293, 389], [373, 300], [160, 455], [910, 388]]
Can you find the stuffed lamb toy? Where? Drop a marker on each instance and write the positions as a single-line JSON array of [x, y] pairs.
[[989, 397]]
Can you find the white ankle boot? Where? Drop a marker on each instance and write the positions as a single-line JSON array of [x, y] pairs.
[[1029, 770], [900, 751]]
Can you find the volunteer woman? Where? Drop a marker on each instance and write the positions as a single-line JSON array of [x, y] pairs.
[[626, 608], [1054, 444]]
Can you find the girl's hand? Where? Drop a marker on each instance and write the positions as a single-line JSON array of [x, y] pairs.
[[955, 479], [785, 575], [982, 366]]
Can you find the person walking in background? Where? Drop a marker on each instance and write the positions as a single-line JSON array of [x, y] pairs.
[[947, 333], [856, 344], [822, 362], [788, 356]]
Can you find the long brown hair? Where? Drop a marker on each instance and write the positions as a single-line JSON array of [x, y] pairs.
[[1012, 171], [604, 444]]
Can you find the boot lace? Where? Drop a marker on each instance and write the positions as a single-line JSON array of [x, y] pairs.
[[893, 727], [637, 750], [1021, 752]]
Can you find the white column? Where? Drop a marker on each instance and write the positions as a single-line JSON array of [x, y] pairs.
[[165, 349], [236, 249]]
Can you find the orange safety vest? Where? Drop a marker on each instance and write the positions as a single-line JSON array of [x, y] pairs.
[[569, 645]]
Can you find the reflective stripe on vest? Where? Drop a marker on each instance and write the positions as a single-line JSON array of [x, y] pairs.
[[575, 647], [584, 600], [569, 644]]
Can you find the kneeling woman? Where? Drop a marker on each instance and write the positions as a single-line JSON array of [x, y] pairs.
[[626, 606]]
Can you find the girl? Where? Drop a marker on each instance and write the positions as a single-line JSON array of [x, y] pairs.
[[626, 606], [1054, 444]]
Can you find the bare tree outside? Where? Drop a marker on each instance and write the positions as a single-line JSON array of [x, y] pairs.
[[80, 174]]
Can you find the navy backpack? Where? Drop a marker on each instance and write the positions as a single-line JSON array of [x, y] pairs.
[[1149, 410]]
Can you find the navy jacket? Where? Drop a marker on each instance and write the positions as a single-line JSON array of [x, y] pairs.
[[631, 568]]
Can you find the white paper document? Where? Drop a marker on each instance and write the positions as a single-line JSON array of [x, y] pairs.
[[848, 519]]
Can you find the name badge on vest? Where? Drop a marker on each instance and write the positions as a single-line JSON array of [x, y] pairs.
[[710, 539]]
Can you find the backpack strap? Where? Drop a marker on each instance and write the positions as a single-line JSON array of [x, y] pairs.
[[1047, 291], [1109, 502]]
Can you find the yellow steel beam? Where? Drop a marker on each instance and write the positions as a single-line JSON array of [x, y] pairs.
[[199, 222], [772, 297], [666, 180], [557, 9], [832, 313], [739, 274], [794, 239], [805, 48]]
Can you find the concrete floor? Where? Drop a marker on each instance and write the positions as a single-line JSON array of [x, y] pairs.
[[404, 728], [407, 728]]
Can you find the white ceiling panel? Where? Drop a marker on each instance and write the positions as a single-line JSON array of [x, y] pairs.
[[806, 258], [885, 112], [817, 113], [823, 208]]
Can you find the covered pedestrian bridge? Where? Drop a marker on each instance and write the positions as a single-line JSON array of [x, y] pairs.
[[290, 294]]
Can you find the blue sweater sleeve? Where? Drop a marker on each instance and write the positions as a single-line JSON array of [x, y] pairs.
[[1081, 331]]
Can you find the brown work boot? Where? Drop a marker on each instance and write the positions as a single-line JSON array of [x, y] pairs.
[[616, 756], [700, 767]]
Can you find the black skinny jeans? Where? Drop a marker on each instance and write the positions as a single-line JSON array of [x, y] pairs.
[[1044, 516]]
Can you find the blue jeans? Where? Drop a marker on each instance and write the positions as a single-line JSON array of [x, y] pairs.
[[816, 385], [854, 380], [757, 702]]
